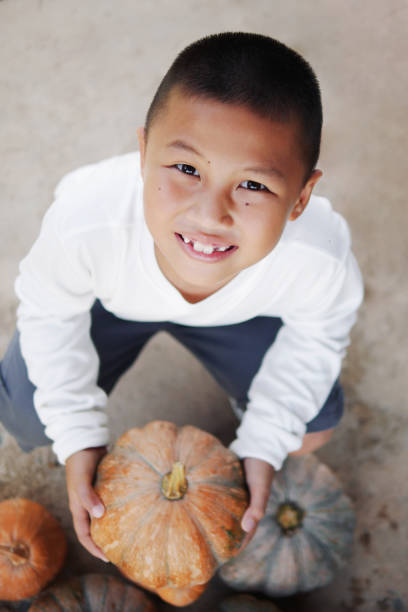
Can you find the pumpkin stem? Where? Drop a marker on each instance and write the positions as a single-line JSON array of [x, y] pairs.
[[16, 554], [289, 517], [174, 483]]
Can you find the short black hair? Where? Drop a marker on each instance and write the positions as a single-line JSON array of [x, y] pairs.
[[255, 70]]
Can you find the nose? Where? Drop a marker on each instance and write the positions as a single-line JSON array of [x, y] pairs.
[[211, 210]]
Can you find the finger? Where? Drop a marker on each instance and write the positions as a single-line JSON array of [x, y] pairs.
[[82, 528], [90, 501], [89, 505], [249, 523], [256, 510]]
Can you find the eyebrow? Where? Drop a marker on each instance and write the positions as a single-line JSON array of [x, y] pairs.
[[269, 171], [180, 144], [265, 170]]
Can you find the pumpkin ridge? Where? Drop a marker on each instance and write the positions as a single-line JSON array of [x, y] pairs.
[[110, 479], [217, 503], [34, 571], [301, 568], [123, 602], [130, 539], [123, 596], [289, 481], [19, 524], [153, 445], [195, 433], [201, 529], [129, 498], [130, 452], [315, 472], [203, 458], [329, 500], [166, 548], [333, 554], [82, 580], [131, 536], [219, 560], [221, 484], [105, 476], [325, 521], [54, 597], [105, 590], [226, 482], [184, 509], [270, 560], [326, 556]]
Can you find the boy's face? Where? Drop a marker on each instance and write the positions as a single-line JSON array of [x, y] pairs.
[[217, 176]]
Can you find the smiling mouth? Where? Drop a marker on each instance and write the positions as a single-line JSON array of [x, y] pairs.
[[206, 249]]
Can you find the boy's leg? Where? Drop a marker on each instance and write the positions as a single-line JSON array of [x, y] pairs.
[[233, 355], [314, 440], [17, 412], [118, 343]]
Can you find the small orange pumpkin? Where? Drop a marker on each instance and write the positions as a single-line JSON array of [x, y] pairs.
[[174, 500], [32, 548], [92, 593]]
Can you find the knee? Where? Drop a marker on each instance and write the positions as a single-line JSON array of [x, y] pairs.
[[314, 440]]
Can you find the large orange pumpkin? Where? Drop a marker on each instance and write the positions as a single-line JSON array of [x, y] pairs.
[[32, 548], [92, 593], [174, 500]]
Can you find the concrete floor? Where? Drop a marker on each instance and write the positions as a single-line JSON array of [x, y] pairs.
[[75, 81]]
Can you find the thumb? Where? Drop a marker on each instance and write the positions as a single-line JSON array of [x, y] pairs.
[[248, 523], [252, 516], [259, 475], [90, 501]]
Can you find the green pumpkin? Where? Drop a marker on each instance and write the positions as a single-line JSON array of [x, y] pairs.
[[305, 536], [246, 603], [92, 593]]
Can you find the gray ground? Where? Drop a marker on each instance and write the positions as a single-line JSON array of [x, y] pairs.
[[76, 79]]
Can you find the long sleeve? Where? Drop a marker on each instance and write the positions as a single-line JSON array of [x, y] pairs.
[[56, 289], [300, 368], [94, 244]]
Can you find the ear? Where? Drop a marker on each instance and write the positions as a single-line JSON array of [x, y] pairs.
[[304, 197], [141, 136]]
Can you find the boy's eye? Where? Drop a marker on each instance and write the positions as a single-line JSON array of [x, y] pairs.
[[187, 169], [254, 186]]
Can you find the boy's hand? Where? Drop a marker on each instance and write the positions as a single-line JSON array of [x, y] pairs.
[[80, 471], [259, 475]]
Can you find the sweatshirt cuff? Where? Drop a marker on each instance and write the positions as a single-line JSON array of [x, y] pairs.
[[79, 441], [244, 450], [269, 443]]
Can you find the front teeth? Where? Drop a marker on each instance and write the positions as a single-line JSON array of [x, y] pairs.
[[203, 248]]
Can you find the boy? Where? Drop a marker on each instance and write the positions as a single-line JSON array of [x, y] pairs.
[[211, 235]]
